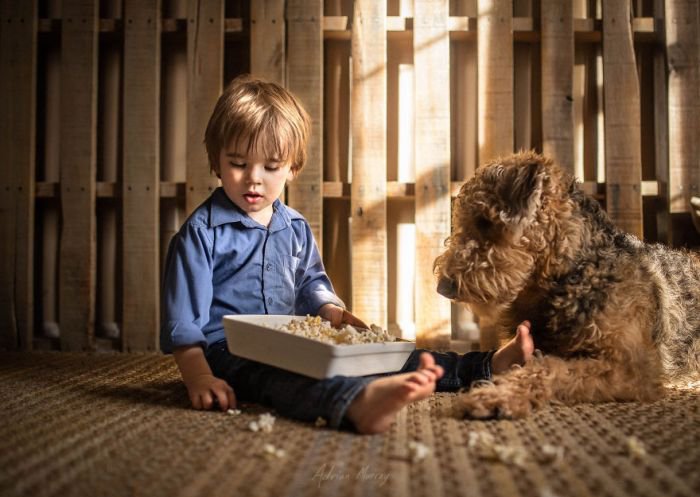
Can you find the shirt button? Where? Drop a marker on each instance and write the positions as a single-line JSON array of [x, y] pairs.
[[269, 300], [269, 267]]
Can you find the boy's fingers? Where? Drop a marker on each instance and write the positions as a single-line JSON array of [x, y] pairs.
[[206, 401], [231, 398], [353, 320], [223, 399]]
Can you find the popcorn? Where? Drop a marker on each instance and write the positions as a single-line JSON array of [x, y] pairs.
[[483, 443], [264, 423], [636, 448], [478, 439], [321, 330], [552, 453], [320, 422], [271, 450], [233, 412], [418, 450], [547, 492]]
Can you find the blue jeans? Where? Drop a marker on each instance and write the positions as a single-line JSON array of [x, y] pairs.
[[306, 399]]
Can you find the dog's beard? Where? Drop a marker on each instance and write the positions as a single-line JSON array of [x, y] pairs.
[[483, 277]]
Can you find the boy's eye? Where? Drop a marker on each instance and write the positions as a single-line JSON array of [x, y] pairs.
[[272, 167], [237, 164]]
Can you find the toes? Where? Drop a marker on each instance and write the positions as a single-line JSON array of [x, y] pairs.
[[426, 361], [418, 378]]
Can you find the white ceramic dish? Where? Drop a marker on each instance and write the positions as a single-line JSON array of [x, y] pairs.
[[255, 337]]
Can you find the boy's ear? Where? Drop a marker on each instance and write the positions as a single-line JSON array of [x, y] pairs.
[[292, 173]]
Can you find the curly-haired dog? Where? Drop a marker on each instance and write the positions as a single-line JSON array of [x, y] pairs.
[[614, 316]]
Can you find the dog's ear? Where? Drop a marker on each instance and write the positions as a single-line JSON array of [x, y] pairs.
[[520, 190]]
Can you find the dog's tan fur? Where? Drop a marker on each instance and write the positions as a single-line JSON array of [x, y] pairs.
[[615, 317]]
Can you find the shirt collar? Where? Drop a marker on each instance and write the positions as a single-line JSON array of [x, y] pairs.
[[224, 211]]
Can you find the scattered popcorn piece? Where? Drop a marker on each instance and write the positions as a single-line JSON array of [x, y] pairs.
[[320, 422], [480, 438], [321, 330], [511, 454], [418, 450], [271, 450], [552, 453], [483, 443], [233, 412], [636, 448], [264, 423], [547, 492]]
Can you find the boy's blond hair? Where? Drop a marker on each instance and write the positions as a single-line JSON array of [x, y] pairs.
[[252, 112]]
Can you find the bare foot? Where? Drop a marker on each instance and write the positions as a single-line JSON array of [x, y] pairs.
[[375, 408], [518, 351]]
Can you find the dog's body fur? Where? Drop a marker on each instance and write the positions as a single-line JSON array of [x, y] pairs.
[[615, 317]]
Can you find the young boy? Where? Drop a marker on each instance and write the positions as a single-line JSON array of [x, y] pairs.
[[244, 252]]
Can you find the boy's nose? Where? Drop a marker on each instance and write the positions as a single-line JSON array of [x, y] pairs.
[[253, 175]]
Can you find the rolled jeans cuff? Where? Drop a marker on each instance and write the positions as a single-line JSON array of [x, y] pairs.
[[481, 369], [340, 406]]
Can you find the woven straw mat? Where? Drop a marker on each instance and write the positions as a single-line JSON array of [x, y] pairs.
[[79, 424]]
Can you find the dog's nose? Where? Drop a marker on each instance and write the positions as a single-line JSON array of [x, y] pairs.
[[447, 288]]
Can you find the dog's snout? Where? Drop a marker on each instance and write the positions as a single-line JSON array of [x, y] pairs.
[[447, 288]]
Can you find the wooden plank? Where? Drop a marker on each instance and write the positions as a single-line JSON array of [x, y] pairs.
[[110, 58], [683, 58], [305, 80], [18, 58], [495, 79], [557, 82], [173, 131], [495, 88], [267, 40], [431, 49], [49, 218], [141, 175], [623, 160], [205, 46], [78, 157], [331, 189], [524, 99], [368, 202], [661, 143]]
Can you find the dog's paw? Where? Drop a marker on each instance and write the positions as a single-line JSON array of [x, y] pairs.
[[492, 402]]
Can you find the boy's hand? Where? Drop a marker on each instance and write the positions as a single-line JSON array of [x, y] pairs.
[[339, 316], [202, 386], [206, 390]]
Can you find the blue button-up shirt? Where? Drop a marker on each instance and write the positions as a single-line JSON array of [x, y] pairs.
[[224, 262]]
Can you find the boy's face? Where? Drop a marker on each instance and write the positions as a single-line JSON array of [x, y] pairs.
[[252, 181]]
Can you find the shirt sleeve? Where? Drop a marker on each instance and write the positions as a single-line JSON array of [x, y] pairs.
[[313, 287], [187, 289]]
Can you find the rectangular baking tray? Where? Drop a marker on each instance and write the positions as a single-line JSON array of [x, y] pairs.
[[255, 337]]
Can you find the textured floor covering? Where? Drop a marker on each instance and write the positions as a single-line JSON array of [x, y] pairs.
[[118, 425]]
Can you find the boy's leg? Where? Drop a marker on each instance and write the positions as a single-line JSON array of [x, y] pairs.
[[460, 370], [290, 394]]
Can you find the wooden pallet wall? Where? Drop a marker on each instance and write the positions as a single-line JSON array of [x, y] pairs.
[[103, 107]]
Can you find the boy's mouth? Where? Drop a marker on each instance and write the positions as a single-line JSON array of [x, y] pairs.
[[252, 197]]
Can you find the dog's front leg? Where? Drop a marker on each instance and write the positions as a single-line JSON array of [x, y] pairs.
[[517, 392]]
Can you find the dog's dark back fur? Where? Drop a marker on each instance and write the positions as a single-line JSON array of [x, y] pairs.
[[576, 265]]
